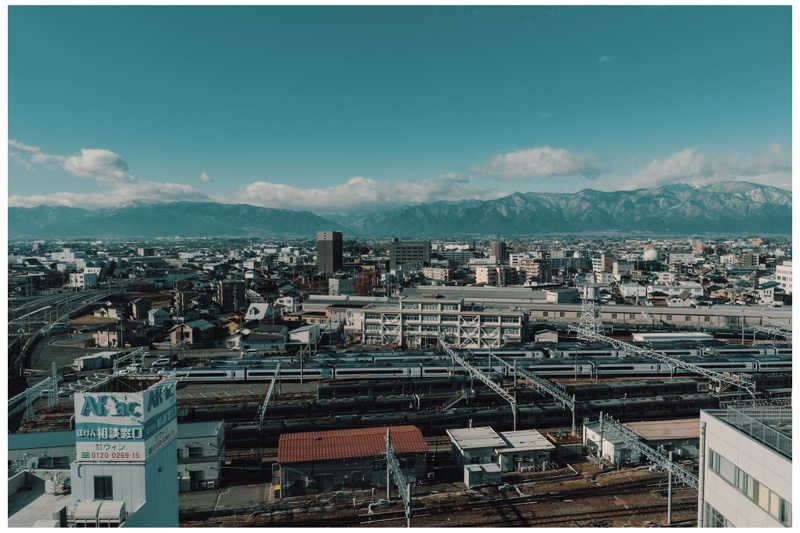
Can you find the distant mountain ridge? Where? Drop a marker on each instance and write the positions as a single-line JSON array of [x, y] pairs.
[[729, 207], [186, 219]]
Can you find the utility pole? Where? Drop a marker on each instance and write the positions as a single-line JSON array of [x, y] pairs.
[[669, 491], [600, 448]]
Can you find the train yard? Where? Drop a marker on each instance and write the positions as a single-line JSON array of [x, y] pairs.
[[434, 393]]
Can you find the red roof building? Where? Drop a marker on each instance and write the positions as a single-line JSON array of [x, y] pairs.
[[347, 444]]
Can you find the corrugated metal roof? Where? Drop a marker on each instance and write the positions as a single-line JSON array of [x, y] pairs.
[[347, 444]]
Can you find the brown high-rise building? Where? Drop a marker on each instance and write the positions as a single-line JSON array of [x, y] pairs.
[[499, 251], [329, 251]]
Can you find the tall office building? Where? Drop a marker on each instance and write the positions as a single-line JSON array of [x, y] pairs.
[[329, 251], [745, 467], [126, 458], [499, 251], [231, 295], [416, 253]]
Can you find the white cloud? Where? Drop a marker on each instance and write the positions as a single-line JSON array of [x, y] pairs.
[[29, 155], [773, 166], [359, 192], [543, 162], [123, 194], [110, 172], [204, 178], [606, 59], [101, 165]]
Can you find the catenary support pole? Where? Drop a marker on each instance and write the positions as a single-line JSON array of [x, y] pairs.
[[669, 491]]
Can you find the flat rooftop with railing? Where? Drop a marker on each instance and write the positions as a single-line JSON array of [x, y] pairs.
[[772, 426]]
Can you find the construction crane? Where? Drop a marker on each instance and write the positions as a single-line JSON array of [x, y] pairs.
[[403, 486], [474, 372], [740, 381]]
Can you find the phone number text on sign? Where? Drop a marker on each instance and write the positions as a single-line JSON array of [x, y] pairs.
[[115, 455]]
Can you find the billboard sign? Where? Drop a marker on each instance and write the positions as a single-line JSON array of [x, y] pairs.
[[125, 426]]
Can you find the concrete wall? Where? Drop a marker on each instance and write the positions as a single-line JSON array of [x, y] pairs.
[[346, 474], [473, 455], [16, 482], [205, 465], [768, 467]]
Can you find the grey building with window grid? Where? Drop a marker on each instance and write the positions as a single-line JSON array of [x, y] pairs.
[[414, 253], [745, 467]]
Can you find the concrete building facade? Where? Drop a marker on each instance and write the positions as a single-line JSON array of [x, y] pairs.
[[418, 322], [746, 468], [412, 253], [329, 251], [125, 451]]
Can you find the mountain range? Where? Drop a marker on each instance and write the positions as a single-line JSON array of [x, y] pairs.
[[728, 207]]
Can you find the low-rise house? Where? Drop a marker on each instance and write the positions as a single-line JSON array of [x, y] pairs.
[[261, 312], [139, 308], [157, 317], [198, 332], [134, 333]]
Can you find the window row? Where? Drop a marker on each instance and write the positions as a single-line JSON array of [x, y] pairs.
[[757, 492], [713, 518]]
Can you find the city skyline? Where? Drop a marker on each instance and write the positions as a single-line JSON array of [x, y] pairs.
[[389, 106]]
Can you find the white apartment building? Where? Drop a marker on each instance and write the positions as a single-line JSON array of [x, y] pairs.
[[437, 273], [289, 304], [683, 258], [633, 290], [745, 467], [82, 280], [340, 286], [783, 275], [418, 322], [694, 289], [621, 268], [516, 259], [665, 277], [493, 275]]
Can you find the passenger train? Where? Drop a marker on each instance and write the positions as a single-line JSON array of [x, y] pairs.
[[442, 367]]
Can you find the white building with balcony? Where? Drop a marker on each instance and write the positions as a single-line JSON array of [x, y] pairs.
[[418, 322], [82, 280], [783, 275]]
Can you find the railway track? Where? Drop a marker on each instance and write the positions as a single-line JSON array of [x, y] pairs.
[[343, 516], [559, 519]]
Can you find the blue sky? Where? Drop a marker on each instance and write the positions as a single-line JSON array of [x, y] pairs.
[[342, 108]]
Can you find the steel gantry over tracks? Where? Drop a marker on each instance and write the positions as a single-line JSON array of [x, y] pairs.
[[482, 377], [262, 411], [656, 457], [555, 390], [393, 469], [24, 400], [741, 382]]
